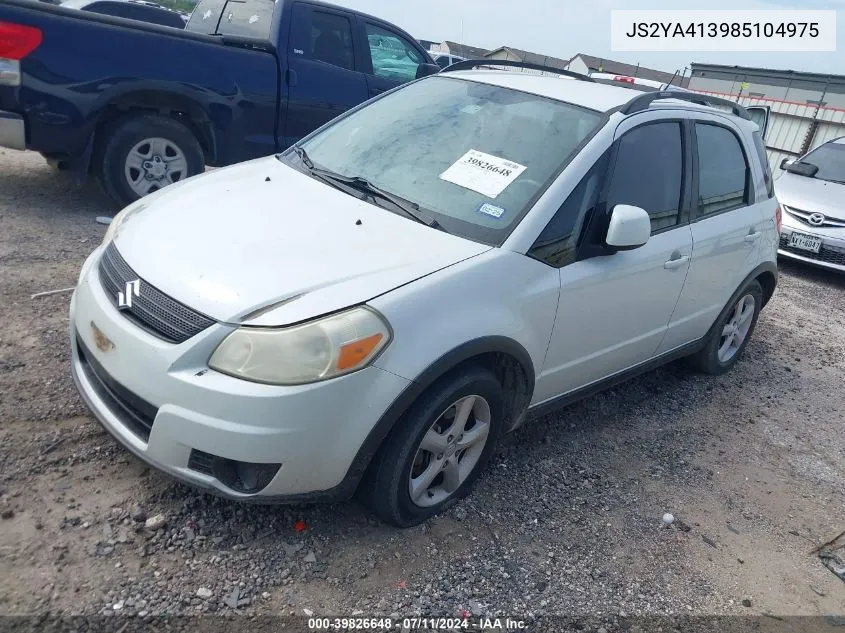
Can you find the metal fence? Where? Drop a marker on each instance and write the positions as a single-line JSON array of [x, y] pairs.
[[794, 128]]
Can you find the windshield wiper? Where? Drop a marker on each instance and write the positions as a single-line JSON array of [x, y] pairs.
[[303, 156], [410, 209]]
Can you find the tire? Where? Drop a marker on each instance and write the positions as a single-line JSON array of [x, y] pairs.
[[386, 488], [710, 360], [145, 144]]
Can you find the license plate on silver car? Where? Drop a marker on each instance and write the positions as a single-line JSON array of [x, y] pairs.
[[809, 243]]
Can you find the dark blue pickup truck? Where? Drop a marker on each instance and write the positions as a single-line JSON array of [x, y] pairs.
[[141, 105]]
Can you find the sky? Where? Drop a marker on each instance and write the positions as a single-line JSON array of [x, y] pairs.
[[563, 28]]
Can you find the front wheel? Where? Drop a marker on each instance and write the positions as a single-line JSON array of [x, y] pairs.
[[732, 331], [437, 449], [144, 153]]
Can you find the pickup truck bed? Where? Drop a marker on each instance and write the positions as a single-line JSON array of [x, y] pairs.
[[98, 93]]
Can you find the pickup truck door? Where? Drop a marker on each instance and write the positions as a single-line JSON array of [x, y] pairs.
[[390, 58], [324, 77]]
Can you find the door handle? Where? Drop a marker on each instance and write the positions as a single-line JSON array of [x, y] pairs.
[[290, 76], [676, 262], [752, 237]]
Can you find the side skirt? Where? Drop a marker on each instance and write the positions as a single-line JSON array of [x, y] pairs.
[[547, 406]]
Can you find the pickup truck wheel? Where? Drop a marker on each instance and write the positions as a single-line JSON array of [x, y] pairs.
[[145, 153], [437, 450]]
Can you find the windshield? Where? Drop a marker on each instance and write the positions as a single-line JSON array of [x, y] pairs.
[[473, 156], [830, 159]]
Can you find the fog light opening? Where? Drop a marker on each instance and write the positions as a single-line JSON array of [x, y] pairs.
[[244, 477]]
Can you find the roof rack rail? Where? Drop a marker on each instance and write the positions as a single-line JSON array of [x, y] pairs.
[[643, 101], [469, 64]]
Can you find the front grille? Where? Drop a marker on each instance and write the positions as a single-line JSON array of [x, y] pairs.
[[804, 218], [133, 411], [150, 309], [826, 255]]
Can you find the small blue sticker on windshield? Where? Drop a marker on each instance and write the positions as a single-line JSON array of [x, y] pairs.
[[491, 209]]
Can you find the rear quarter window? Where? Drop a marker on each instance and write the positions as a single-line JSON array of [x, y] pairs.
[[760, 147]]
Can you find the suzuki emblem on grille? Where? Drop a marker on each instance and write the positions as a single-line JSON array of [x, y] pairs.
[[124, 299], [816, 219]]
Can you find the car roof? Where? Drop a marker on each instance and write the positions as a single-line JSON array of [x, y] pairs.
[[582, 93], [587, 94]]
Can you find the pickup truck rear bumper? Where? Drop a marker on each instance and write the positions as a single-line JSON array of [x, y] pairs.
[[12, 130]]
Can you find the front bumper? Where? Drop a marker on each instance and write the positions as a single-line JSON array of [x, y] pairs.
[[192, 412], [832, 253], [12, 130]]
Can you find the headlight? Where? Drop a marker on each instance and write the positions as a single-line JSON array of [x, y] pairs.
[[120, 219], [314, 351]]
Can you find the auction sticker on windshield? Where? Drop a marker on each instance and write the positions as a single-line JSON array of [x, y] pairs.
[[487, 174]]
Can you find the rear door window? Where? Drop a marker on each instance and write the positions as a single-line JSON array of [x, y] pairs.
[[723, 173]]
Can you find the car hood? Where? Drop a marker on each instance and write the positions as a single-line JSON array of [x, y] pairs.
[[263, 243], [811, 195]]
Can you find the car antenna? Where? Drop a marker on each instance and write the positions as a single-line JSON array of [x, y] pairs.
[[673, 77]]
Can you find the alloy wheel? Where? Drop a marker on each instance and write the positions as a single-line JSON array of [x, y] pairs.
[[736, 329], [449, 451]]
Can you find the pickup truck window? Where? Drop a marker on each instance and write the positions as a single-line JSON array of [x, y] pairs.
[[242, 18], [393, 56], [331, 40]]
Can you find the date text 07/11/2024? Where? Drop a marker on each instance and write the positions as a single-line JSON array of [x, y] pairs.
[[416, 624]]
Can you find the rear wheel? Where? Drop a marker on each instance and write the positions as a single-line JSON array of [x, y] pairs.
[[437, 450], [731, 332], [144, 153]]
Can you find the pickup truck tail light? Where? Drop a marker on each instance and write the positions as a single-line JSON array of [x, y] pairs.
[[16, 42], [778, 218]]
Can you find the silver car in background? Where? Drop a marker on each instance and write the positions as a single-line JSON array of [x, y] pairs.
[[811, 191]]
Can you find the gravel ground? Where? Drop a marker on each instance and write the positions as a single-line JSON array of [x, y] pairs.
[[566, 520]]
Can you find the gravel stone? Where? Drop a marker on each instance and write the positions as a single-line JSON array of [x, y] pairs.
[[156, 522]]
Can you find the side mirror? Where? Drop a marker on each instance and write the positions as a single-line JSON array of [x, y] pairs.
[[801, 168], [629, 228], [424, 70], [786, 162]]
